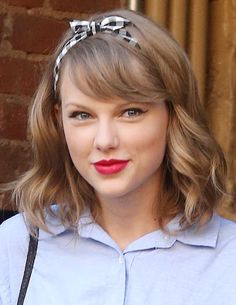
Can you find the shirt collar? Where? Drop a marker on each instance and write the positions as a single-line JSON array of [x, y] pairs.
[[55, 227], [206, 235]]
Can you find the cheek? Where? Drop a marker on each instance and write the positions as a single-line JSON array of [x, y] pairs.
[[152, 147], [78, 144], [150, 139]]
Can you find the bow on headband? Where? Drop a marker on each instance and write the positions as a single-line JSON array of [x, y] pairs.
[[84, 29]]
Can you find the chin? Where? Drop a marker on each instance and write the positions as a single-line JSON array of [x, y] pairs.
[[113, 193]]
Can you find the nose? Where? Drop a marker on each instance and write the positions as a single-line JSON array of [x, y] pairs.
[[106, 137]]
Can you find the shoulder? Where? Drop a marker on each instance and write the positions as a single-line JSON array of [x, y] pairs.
[[14, 238], [227, 233], [14, 228], [13, 250]]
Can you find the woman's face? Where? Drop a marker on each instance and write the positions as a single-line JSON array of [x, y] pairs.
[[117, 146]]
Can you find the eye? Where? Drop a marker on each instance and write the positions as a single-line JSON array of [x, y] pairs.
[[133, 112], [80, 115]]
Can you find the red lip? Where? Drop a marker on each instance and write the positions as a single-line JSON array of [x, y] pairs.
[[112, 166], [110, 162]]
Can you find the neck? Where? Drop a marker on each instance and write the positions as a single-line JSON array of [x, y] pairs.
[[130, 217]]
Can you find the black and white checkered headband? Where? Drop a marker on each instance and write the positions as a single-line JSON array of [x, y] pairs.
[[84, 29]]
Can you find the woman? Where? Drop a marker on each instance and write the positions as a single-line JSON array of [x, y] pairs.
[[125, 181]]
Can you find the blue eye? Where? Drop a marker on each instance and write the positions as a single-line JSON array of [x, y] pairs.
[[79, 115], [133, 112]]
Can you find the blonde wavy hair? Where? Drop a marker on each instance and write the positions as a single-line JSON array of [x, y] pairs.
[[194, 173]]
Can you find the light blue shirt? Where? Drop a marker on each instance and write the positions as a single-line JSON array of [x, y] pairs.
[[191, 267]]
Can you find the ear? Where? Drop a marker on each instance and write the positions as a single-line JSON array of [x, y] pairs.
[[57, 113], [57, 110]]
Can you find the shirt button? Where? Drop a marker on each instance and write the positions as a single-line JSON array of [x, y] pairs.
[[121, 260]]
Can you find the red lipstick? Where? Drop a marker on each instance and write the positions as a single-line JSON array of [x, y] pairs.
[[112, 166]]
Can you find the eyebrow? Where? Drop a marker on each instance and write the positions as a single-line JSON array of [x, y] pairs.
[[74, 104], [119, 105]]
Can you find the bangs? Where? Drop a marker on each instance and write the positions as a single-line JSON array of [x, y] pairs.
[[103, 67]]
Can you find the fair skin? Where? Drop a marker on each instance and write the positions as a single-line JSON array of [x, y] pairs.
[[98, 130]]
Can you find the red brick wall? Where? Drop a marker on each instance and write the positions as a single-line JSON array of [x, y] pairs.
[[29, 31]]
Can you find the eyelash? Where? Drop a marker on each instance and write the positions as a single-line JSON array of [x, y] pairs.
[[77, 113], [136, 113]]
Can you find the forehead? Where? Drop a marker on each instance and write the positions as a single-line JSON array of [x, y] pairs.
[[70, 92], [72, 95], [102, 75], [102, 69]]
